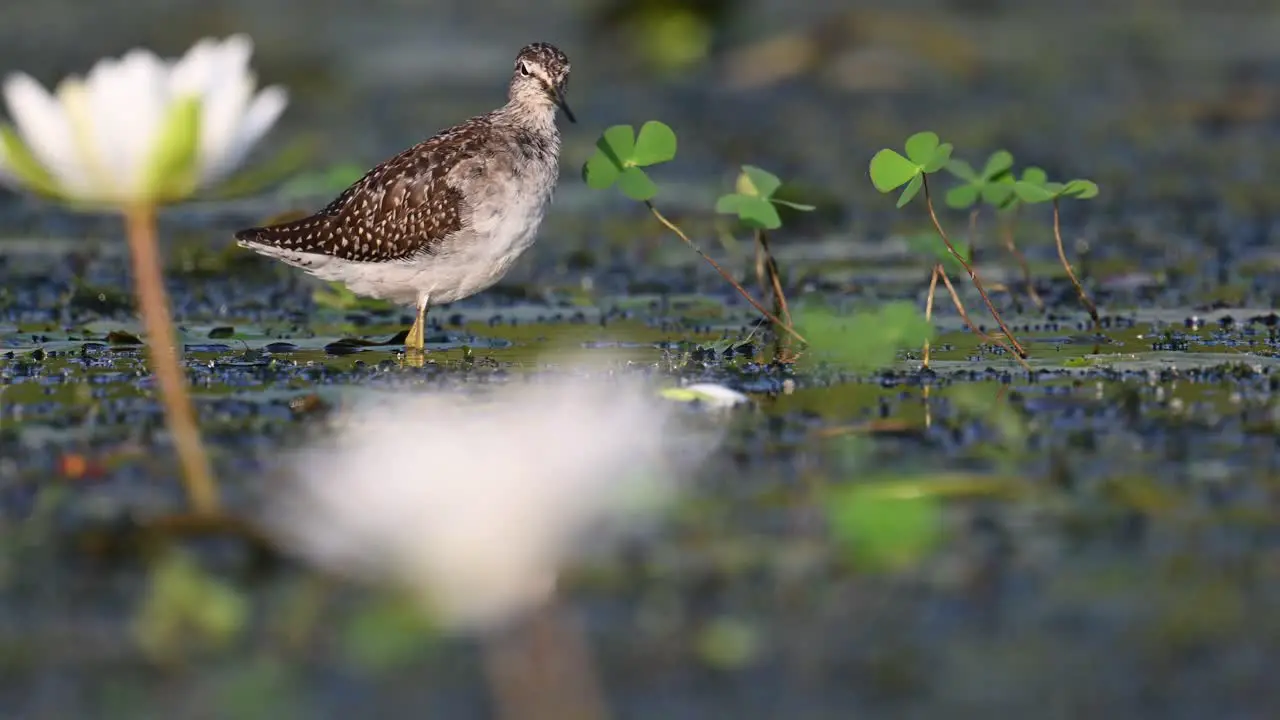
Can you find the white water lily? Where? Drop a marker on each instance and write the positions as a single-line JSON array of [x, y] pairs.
[[475, 505], [138, 129]]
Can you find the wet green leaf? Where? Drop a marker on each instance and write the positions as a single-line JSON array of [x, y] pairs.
[[656, 144], [890, 170]]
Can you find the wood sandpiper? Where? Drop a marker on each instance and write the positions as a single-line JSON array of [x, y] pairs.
[[446, 218]]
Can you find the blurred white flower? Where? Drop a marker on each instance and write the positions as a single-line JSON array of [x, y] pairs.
[[476, 504], [138, 129]]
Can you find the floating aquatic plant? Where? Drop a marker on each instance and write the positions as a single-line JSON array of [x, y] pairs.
[[754, 203], [620, 156], [925, 155], [132, 135]]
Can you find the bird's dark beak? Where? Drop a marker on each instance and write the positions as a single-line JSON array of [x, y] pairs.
[[559, 95]]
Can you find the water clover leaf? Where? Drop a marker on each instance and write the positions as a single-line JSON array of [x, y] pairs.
[[1033, 186], [656, 144], [867, 340], [1080, 189], [987, 185], [620, 154], [925, 155], [637, 185], [753, 202], [757, 182]]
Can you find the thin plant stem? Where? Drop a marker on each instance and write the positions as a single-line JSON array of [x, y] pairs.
[[729, 278], [1062, 255], [774, 276], [928, 306], [1006, 235], [541, 670], [955, 298], [973, 275], [140, 227]]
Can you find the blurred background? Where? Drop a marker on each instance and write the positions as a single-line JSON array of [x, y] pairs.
[[809, 88]]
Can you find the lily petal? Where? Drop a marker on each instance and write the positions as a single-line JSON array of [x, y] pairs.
[[257, 120], [46, 130], [128, 105]]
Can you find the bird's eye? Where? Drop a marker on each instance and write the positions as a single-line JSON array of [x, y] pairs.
[[524, 70]]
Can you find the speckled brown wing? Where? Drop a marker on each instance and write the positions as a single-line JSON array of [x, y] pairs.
[[401, 208]]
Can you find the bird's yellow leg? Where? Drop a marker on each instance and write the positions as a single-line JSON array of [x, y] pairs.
[[417, 337]]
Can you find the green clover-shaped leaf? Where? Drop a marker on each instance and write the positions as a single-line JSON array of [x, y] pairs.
[[656, 144], [925, 155], [1033, 187], [977, 186], [620, 154], [753, 202], [757, 182], [1080, 189]]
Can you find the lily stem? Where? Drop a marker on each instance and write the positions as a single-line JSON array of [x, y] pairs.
[[140, 227], [1062, 255], [541, 669], [729, 278], [973, 275]]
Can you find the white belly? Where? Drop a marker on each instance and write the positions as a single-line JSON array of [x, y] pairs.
[[473, 260]]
